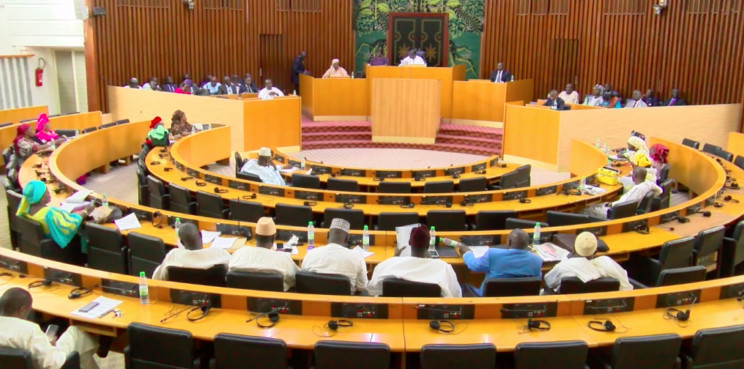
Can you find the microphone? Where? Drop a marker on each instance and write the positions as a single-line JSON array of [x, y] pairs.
[[16, 267], [134, 291]]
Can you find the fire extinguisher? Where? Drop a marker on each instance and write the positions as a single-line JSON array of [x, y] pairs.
[[40, 72]]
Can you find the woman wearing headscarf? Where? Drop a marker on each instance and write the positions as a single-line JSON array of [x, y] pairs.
[[57, 224], [659, 155], [335, 71], [158, 135], [180, 127], [25, 145], [44, 133], [638, 156]]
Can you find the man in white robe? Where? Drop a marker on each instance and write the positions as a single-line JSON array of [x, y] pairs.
[[335, 71], [269, 91], [264, 168], [190, 254], [337, 258], [636, 193], [636, 101], [569, 95], [412, 59]]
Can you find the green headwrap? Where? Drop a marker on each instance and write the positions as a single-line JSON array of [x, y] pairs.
[[157, 133], [32, 194]]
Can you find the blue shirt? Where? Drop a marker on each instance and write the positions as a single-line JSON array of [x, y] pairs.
[[504, 263]]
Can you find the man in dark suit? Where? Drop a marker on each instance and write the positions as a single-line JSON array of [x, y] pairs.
[[650, 98], [168, 86], [674, 100], [227, 87], [248, 86], [555, 102], [500, 74], [298, 67]]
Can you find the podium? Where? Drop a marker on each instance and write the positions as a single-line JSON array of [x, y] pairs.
[[405, 110]]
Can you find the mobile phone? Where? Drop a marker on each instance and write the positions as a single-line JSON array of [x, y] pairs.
[[433, 254], [51, 331], [279, 245], [88, 307]]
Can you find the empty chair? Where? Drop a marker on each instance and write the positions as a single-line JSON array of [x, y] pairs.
[[707, 245], [211, 205], [523, 175], [523, 286], [14, 199], [239, 162], [155, 347], [292, 215], [473, 184], [691, 143], [447, 220], [474, 356], [663, 201], [439, 187], [180, 200], [122, 121], [214, 276], [723, 154], [324, 284], [622, 210], [393, 287], [143, 194], [732, 252], [659, 351], [663, 174], [388, 221], [305, 181], [394, 187], [716, 348], [514, 223], [669, 277], [674, 254], [559, 218], [486, 220], [645, 205], [5, 124], [107, 125], [335, 184], [159, 198], [145, 253], [575, 285], [711, 149], [13, 358], [355, 217], [739, 161], [106, 250], [34, 242], [67, 132], [255, 281], [88, 130], [232, 351], [248, 176], [551, 355], [245, 211], [363, 355]]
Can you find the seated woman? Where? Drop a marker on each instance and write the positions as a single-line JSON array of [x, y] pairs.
[[180, 127], [24, 145], [638, 155], [44, 132], [158, 135]]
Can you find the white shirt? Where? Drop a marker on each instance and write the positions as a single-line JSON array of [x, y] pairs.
[[636, 104], [578, 267], [269, 174], [197, 259], [592, 100], [22, 334], [264, 93], [611, 269], [336, 259], [637, 192], [417, 60], [263, 260], [572, 98], [414, 269]]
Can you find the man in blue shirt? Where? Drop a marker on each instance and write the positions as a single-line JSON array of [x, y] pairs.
[[511, 262]]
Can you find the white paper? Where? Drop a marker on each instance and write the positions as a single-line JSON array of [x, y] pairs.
[[310, 171], [223, 243], [550, 252], [78, 197], [290, 170], [209, 236], [592, 190], [128, 222], [479, 251], [365, 253], [286, 246], [293, 241], [70, 206], [104, 306]]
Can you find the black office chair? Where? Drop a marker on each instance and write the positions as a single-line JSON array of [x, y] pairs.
[[388, 221], [245, 211], [239, 162], [180, 200], [34, 242], [362, 355], [248, 177], [658, 351], [522, 286], [143, 194], [255, 281], [394, 187], [342, 185], [447, 220], [488, 220], [673, 276], [739, 161], [107, 125], [232, 351], [305, 181], [473, 184], [663, 174], [474, 356], [439, 187], [213, 276], [355, 217], [573, 285], [710, 148], [292, 215], [159, 198], [723, 154], [663, 201], [13, 358], [67, 132], [323, 284], [14, 200], [145, 253], [160, 348], [623, 210], [106, 250], [122, 121], [393, 287], [645, 205], [211, 205], [707, 245], [673, 254], [514, 223], [538, 355], [716, 348], [5, 124], [691, 143], [88, 130], [732, 252], [559, 218]]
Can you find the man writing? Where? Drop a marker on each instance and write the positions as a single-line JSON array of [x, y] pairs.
[[190, 253], [269, 91], [337, 258], [555, 102], [500, 75], [264, 168]]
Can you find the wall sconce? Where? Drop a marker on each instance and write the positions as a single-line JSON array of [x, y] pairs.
[[189, 3], [660, 6]]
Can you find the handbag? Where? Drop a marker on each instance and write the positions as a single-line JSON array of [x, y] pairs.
[[608, 176]]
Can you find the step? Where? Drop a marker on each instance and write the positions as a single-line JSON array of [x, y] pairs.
[[469, 140], [336, 127], [336, 136], [467, 149], [472, 131]]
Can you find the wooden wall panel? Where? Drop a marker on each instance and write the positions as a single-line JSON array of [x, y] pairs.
[[695, 45]]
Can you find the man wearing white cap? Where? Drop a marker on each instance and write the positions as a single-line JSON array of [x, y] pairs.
[[262, 258], [337, 258], [335, 71], [264, 168], [580, 265], [190, 253]]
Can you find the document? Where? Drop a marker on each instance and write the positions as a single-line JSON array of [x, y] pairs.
[[78, 197], [402, 235], [128, 222], [71, 206], [209, 236], [289, 170], [104, 305], [365, 253], [550, 252], [292, 247], [227, 243]]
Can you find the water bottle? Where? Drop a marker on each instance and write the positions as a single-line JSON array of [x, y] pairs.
[[105, 201], [143, 292], [365, 238], [582, 185], [177, 225], [310, 236], [598, 143], [302, 163], [449, 242], [54, 144], [433, 239], [536, 234], [294, 92]]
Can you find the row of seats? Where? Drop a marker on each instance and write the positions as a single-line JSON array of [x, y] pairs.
[[715, 150]]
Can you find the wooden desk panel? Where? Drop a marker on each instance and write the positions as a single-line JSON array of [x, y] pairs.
[[7, 135], [520, 90], [203, 148], [531, 133], [735, 143], [480, 100], [77, 121], [405, 110], [332, 99], [271, 123], [19, 114]]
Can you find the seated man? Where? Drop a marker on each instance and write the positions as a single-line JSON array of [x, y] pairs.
[[579, 265], [262, 258], [264, 168], [337, 258], [190, 253], [511, 262], [416, 268], [569, 95], [335, 71], [636, 101], [636, 193], [555, 102], [213, 87], [650, 98], [269, 91], [134, 83], [674, 99], [19, 333], [412, 59], [501, 75]]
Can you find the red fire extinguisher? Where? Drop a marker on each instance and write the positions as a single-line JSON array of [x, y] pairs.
[[40, 72]]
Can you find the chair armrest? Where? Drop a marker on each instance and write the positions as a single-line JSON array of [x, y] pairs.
[[72, 362], [226, 213], [636, 284], [494, 187]]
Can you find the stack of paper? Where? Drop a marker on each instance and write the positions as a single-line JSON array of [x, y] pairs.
[[550, 252], [104, 306], [128, 222], [208, 236], [365, 253], [79, 197], [227, 243]]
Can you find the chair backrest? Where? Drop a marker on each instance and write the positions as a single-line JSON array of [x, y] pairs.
[[710, 148], [739, 161], [523, 175], [575, 285], [232, 351], [709, 241], [394, 287], [663, 200], [658, 351], [292, 215], [88, 130], [474, 356], [669, 277], [723, 154], [255, 281], [107, 125], [122, 121], [737, 253], [305, 181], [358, 355], [676, 253], [14, 200], [439, 187], [473, 184], [645, 205], [335, 184], [493, 219], [514, 223], [663, 173], [447, 220], [246, 211], [5, 124], [388, 221], [522, 286], [158, 197], [13, 358], [538, 355], [213, 276], [156, 347], [355, 217], [210, 205], [106, 249], [324, 284], [239, 162], [720, 346], [32, 236], [180, 200], [623, 210], [559, 218], [248, 176], [691, 143], [394, 187], [145, 253]]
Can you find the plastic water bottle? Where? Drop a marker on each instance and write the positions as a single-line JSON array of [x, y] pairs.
[[536, 234], [449, 242], [433, 239], [582, 185], [144, 294], [177, 225], [365, 238], [54, 144], [294, 92], [105, 201], [598, 143], [310, 236], [302, 163]]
